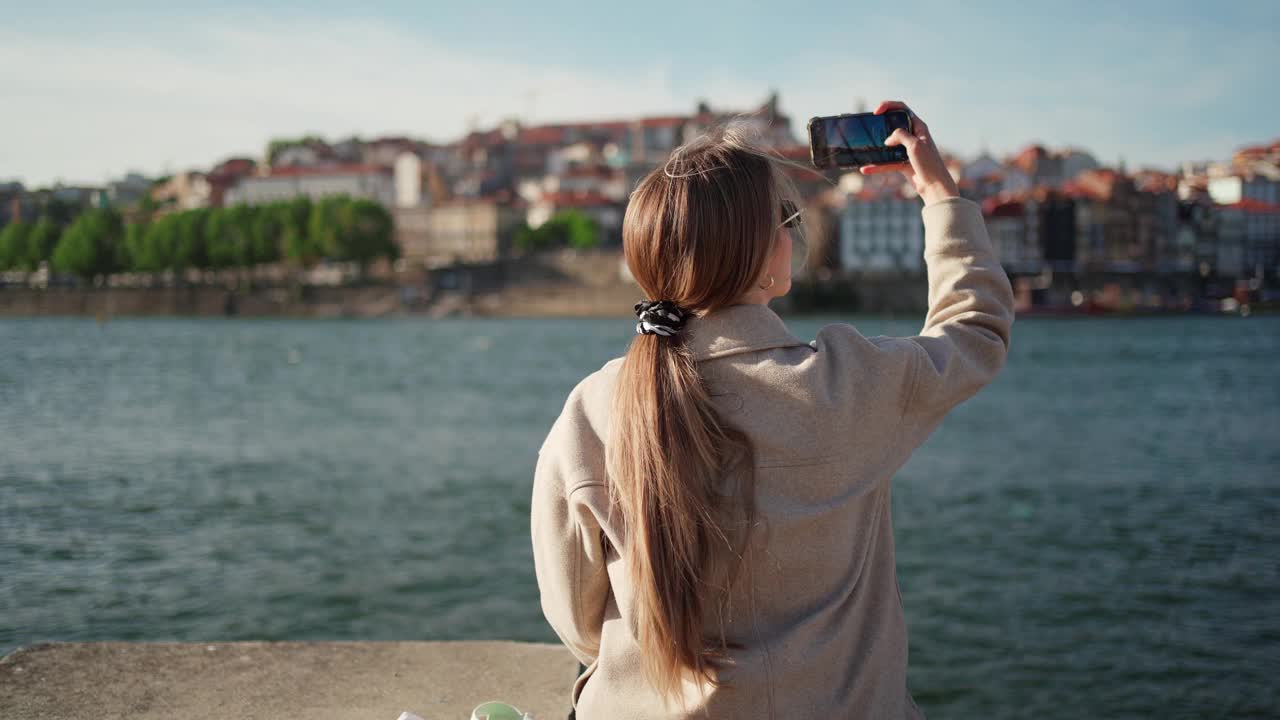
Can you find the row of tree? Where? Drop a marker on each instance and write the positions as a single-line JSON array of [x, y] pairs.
[[300, 231]]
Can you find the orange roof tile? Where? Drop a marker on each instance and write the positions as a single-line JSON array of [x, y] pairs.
[[303, 170]]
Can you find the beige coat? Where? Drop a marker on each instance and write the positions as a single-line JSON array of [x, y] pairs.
[[820, 622]]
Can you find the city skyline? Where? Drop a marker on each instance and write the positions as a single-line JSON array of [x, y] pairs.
[[156, 90]]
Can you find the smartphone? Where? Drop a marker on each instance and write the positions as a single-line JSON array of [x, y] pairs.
[[851, 141]]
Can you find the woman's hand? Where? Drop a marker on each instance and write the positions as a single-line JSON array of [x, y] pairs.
[[926, 170]]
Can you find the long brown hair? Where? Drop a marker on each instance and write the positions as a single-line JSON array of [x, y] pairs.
[[698, 232]]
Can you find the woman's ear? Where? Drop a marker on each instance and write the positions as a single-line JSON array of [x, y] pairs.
[[780, 263]]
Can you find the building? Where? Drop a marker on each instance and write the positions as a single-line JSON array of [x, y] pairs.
[[407, 169], [1073, 161], [651, 141], [305, 152], [1249, 240], [457, 231], [1196, 247], [881, 232], [15, 203], [1232, 189], [183, 191], [285, 183], [984, 178], [387, 150], [80, 197], [128, 190], [603, 180], [486, 161], [770, 126], [1057, 229], [226, 175], [60, 203], [1014, 227], [1047, 168], [1121, 228], [1228, 256], [1156, 206]]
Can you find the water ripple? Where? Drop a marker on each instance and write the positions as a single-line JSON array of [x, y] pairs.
[[1093, 536]]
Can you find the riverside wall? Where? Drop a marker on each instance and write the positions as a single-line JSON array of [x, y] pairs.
[[552, 283], [314, 680]]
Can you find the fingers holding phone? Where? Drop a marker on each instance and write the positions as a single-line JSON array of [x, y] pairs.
[[925, 167]]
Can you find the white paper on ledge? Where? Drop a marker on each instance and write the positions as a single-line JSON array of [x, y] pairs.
[[406, 715]]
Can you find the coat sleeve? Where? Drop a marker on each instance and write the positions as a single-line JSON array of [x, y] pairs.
[[966, 332], [568, 542]]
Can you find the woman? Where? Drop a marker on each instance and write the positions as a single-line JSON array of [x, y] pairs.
[[710, 513]]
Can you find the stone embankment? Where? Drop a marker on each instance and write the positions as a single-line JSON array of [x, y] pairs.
[[565, 283], [276, 680]]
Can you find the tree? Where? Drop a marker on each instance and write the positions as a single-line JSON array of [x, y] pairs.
[[352, 229], [323, 227], [567, 228], [13, 245], [267, 233], [24, 246], [147, 205], [156, 250], [581, 231], [299, 245], [229, 237], [41, 242], [135, 246], [92, 245], [526, 238], [367, 233], [191, 245]]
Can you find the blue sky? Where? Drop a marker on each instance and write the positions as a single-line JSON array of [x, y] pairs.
[[90, 90]]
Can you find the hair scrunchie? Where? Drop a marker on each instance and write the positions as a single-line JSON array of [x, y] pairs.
[[659, 317]]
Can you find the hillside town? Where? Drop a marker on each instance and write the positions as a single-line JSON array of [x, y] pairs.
[[1074, 235]]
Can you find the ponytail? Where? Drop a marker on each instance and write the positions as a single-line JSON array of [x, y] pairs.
[[668, 452], [698, 232]]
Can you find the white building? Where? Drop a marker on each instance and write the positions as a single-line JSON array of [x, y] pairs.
[[881, 232], [1249, 230], [1232, 189], [285, 183], [408, 181], [183, 191]]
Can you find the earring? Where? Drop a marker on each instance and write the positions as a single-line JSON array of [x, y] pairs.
[[766, 287]]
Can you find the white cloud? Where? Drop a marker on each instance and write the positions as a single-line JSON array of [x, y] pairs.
[[87, 111], [90, 108]]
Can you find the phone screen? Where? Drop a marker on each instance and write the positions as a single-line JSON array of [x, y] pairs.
[[856, 140]]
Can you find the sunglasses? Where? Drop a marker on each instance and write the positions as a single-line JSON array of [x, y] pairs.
[[790, 214]]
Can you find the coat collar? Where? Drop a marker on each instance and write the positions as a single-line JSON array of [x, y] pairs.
[[736, 329]]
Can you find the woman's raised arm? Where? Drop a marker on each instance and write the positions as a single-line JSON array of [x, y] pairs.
[[966, 333]]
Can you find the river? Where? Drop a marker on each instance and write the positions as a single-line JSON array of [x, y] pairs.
[[1097, 534]]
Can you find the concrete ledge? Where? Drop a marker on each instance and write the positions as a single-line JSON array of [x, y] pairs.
[[277, 680]]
